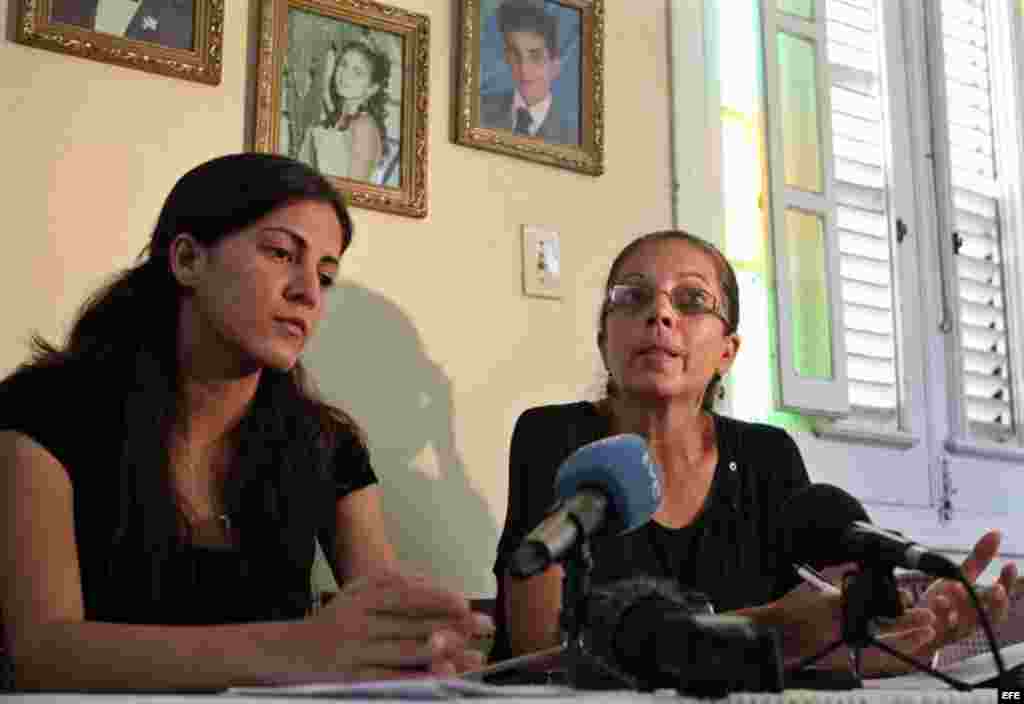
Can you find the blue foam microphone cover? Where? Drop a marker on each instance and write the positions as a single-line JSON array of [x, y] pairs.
[[622, 467]]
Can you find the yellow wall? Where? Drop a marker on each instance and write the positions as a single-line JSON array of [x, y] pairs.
[[430, 343]]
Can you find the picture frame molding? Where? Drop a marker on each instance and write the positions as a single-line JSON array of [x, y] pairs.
[[203, 63], [588, 156], [411, 197]]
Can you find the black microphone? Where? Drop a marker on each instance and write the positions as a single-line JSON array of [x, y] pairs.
[[823, 525], [606, 487], [664, 638]]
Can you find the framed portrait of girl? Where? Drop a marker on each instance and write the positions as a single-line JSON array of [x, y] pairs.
[[343, 87]]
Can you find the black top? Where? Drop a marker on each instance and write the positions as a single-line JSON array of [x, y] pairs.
[[76, 412], [730, 552]]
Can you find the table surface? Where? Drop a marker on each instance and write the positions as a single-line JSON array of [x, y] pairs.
[[861, 696]]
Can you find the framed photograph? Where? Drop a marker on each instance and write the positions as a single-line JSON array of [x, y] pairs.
[[343, 87], [180, 38], [531, 80]]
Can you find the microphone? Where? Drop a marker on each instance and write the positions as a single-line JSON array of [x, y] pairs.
[[649, 630], [823, 525], [607, 487]]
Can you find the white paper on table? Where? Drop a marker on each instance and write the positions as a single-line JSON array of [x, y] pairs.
[[973, 670], [426, 688], [519, 662]]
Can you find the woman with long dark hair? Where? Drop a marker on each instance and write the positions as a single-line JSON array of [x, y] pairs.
[[165, 474]]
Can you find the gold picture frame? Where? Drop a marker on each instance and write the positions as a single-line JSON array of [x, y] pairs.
[[179, 38], [553, 69], [343, 86]]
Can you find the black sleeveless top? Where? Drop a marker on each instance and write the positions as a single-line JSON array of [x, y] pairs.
[[731, 551], [76, 412]]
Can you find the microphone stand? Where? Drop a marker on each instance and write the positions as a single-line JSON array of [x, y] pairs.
[[584, 669], [870, 594]]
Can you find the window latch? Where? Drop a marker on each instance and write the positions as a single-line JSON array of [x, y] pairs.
[[901, 230], [946, 492]]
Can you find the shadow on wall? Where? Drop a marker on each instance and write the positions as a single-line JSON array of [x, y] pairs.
[[369, 359]]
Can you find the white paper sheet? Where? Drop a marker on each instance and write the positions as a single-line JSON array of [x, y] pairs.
[[427, 688], [973, 670]]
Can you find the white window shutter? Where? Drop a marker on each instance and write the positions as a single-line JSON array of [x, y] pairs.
[[862, 208], [971, 194]]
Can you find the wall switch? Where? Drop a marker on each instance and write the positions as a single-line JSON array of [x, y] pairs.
[[542, 262]]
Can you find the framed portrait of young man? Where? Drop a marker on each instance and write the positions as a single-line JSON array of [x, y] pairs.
[[342, 86], [180, 38], [531, 81]]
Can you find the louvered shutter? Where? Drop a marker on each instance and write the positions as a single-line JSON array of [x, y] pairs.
[[976, 220], [859, 180]]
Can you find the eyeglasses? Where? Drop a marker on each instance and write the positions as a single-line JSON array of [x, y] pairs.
[[686, 300]]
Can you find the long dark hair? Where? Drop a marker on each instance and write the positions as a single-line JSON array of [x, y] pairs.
[[726, 281], [376, 105], [128, 329]]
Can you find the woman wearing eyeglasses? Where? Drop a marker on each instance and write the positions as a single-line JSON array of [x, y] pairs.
[[667, 334]]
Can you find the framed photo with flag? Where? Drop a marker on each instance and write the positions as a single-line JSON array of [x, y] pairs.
[[180, 38], [531, 80]]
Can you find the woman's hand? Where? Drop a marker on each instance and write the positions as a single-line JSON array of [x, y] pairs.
[[393, 626], [956, 617], [809, 621]]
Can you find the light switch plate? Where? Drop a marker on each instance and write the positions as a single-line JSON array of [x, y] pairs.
[[542, 262]]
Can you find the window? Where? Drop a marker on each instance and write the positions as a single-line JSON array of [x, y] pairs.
[[971, 115], [876, 386], [872, 208]]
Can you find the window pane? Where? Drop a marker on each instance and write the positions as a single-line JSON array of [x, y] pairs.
[[741, 188], [798, 105], [812, 326], [799, 8], [739, 42], [754, 377]]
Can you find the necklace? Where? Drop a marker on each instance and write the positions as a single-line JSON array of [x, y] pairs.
[[216, 514]]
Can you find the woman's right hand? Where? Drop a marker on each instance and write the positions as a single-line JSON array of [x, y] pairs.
[[809, 621], [394, 626]]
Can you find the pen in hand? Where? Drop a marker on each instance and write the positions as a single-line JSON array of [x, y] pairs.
[[816, 579], [819, 582]]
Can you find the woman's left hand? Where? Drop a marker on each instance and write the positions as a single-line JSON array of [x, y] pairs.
[[955, 615]]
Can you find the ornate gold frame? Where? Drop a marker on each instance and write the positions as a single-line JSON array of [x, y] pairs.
[[588, 156], [202, 63], [410, 198]]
